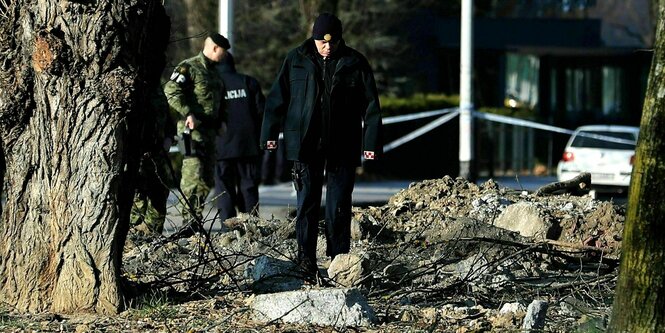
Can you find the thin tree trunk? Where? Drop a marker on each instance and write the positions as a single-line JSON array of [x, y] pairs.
[[73, 78], [310, 9], [639, 304], [201, 20]]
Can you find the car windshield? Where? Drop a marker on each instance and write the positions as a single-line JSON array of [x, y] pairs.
[[589, 142]]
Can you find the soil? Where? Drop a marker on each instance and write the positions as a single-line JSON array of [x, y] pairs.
[[437, 263]]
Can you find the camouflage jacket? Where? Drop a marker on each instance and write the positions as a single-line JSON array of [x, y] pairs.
[[195, 88]]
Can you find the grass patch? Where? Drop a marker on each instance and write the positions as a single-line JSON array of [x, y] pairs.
[[155, 304], [8, 321]]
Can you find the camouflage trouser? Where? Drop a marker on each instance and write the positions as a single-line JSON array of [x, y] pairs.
[[196, 182], [149, 209]]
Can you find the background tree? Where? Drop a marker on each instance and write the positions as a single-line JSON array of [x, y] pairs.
[[266, 29], [264, 32], [639, 304], [192, 20], [73, 83]]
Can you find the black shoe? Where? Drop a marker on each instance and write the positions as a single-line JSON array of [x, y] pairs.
[[308, 265], [187, 231], [310, 273]]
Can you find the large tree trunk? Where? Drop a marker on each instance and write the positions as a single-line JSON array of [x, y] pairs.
[[639, 304], [72, 85]]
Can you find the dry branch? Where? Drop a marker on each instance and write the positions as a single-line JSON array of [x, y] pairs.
[[546, 248], [576, 186]]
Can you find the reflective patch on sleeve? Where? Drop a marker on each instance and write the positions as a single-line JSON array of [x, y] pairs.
[[179, 75]]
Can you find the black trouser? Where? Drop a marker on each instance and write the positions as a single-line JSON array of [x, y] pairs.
[[237, 185], [275, 167], [339, 186], [152, 191]]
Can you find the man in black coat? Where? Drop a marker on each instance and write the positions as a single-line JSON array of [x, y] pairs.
[[238, 167], [326, 94]]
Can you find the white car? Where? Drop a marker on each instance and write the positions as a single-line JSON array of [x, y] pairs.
[[605, 151]]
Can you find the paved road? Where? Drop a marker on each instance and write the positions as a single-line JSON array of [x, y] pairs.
[[364, 193], [378, 193], [279, 201], [525, 183]]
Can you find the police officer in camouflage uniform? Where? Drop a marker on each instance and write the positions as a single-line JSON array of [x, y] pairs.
[[154, 179], [194, 92]]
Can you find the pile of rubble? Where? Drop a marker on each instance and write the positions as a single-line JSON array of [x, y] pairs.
[[442, 255], [435, 203]]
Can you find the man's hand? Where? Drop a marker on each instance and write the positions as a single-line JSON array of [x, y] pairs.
[[369, 155], [271, 145], [191, 122], [167, 144], [222, 129]]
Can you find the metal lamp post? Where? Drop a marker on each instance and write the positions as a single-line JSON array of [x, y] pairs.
[[226, 19], [466, 159]]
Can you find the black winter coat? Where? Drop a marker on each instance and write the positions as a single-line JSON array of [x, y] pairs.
[[243, 103], [355, 114]]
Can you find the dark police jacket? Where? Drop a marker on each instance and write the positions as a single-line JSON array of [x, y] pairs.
[[244, 102], [354, 123]]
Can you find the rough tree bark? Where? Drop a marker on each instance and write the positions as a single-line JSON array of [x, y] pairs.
[[73, 83], [639, 303]]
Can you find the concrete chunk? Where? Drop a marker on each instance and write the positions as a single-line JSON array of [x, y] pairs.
[[347, 269], [272, 275], [328, 307], [524, 217], [535, 315]]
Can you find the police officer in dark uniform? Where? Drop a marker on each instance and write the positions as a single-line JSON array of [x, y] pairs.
[[238, 168], [326, 93]]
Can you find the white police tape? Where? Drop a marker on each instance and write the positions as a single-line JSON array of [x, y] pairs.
[[420, 131], [451, 113], [414, 116], [519, 122], [533, 124]]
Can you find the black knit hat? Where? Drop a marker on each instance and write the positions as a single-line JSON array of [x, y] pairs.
[[220, 40], [327, 27]]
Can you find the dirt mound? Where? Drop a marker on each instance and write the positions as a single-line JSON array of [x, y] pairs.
[[441, 255], [432, 204]]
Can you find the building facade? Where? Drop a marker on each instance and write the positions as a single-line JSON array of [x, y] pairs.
[[564, 63]]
